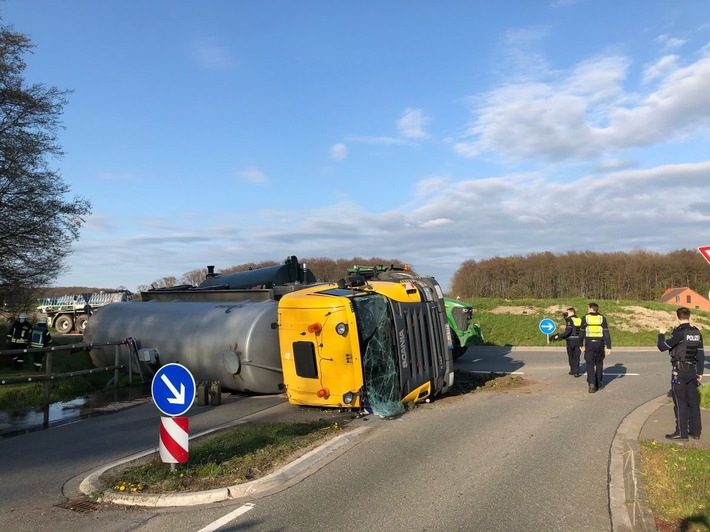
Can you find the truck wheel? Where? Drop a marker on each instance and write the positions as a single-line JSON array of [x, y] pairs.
[[81, 320], [63, 324]]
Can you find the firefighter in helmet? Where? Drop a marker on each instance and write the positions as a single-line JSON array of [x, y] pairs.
[[40, 337], [19, 338]]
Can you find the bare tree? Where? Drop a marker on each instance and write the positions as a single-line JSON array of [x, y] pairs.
[[194, 277], [37, 221]]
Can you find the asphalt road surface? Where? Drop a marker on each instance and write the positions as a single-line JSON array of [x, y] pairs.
[[531, 458]]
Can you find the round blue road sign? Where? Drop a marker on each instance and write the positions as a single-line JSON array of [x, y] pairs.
[[173, 389], [547, 326]]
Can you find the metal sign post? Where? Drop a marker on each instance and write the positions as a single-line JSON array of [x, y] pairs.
[[547, 327]]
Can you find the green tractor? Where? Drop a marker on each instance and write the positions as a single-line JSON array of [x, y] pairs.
[[464, 332]]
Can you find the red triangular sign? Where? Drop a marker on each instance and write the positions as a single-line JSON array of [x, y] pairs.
[[705, 252]]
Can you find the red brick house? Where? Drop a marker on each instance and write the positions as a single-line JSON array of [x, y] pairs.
[[685, 297]]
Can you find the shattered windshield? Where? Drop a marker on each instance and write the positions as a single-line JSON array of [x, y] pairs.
[[377, 346]]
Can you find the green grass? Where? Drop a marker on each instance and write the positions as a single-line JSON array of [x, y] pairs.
[[232, 456], [677, 485], [704, 392], [516, 321]]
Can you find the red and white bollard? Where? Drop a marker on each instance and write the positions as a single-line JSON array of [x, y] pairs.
[[173, 440]]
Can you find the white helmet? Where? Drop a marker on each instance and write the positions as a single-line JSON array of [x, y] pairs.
[[43, 320], [23, 316]]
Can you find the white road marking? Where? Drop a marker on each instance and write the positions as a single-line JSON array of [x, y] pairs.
[[496, 371], [620, 374], [227, 518]]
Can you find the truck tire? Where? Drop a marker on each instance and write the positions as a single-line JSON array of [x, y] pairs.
[[81, 321], [63, 324]]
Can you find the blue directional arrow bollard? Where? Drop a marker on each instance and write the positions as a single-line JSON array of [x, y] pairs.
[[173, 389]]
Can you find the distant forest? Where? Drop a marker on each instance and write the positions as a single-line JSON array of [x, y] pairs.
[[639, 275]]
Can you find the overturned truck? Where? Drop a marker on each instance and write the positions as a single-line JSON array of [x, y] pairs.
[[358, 343]]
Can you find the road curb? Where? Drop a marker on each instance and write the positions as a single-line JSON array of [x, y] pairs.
[[628, 501], [92, 487]]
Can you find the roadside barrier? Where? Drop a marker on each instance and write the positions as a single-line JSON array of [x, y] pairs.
[[48, 377]]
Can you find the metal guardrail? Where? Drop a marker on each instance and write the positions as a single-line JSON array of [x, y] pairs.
[[48, 377]]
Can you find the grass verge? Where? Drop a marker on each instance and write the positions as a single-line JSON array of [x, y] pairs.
[[253, 450], [232, 456], [677, 486]]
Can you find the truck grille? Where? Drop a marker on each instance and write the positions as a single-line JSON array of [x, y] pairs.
[[424, 354]]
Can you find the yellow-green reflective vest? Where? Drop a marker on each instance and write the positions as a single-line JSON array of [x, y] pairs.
[[594, 326]]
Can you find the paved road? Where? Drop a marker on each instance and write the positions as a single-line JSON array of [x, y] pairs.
[[535, 458]]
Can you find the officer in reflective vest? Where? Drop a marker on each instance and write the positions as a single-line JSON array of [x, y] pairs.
[[571, 335], [596, 345], [688, 360], [40, 337], [19, 338]]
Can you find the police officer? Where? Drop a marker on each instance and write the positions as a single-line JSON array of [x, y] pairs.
[[571, 335], [40, 337], [19, 338], [596, 345], [688, 359]]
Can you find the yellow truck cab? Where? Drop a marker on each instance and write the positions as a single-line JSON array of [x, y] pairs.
[[365, 344]]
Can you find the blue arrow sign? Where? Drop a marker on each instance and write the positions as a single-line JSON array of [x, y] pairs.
[[547, 326], [173, 389]]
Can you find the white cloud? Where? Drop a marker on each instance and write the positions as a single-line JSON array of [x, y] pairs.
[[670, 43], [586, 113], [339, 151], [661, 68], [253, 175], [412, 123], [436, 222]]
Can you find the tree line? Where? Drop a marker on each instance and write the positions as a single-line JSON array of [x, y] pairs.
[[638, 275]]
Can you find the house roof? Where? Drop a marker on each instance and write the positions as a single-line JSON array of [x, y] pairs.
[[672, 292]]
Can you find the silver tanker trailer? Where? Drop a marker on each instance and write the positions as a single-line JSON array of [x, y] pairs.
[[223, 330]]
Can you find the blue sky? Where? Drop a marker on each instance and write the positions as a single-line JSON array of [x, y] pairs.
[[224, 132]]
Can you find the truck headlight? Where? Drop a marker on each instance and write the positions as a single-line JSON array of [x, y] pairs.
[[348, 397], [341, 328]]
